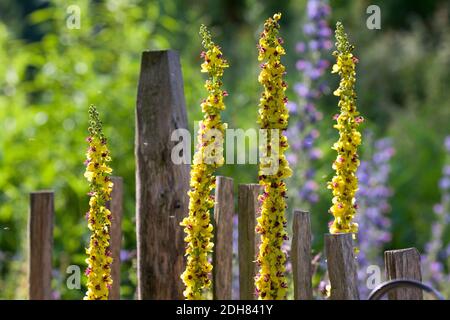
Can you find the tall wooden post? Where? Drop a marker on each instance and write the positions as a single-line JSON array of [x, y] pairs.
[[116, 207], [301, 255], [161, 185], [223, 239], [248, 206], [40, 237], [342, 267], [403, 264]]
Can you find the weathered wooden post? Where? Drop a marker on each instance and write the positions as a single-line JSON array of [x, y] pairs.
[[342, 267], [301, 255], [161, 185], [116, 207], [40, 237], [223, 239], [248, 206], [403, 264]]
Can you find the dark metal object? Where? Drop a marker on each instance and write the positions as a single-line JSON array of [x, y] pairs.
[[385, 287]]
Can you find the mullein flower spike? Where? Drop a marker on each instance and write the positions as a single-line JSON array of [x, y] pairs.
[[99, 217], [270, 281], [345, 183], [207, 158]]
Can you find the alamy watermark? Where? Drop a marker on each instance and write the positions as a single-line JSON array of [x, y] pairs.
[[242, 147], [73, 20], [73, 281], [373, 276], [374, 20]]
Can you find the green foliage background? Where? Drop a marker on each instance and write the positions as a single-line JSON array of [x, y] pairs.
[[49, 74]]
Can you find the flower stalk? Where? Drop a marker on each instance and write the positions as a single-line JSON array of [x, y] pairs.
[[99, 217], [304, 116], [345, 183], [273, 117], [208, 157]]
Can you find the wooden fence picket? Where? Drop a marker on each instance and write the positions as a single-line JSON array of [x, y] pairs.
[[301, 255], [161, 185], [342, 266], [40, 244], [403, 264], [223, 239], [248, 206]]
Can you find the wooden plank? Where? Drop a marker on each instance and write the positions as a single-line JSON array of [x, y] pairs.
[[40, 237], [161, 185], [342, 267], [223, 239], [248, 206], [301, 255], [403, 264], [116, 207]]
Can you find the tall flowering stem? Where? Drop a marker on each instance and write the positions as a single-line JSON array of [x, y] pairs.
[[345, 183], [99, 217], [437, 252], [373, 200], [273, 117], [304, 115], [208, 157]]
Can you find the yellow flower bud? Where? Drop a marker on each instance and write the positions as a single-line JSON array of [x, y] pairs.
[[99, 218], [345, 184], [273, 114], [197, 226]]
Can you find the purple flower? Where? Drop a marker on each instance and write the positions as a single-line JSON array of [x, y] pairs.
[[312, 65], [302, 65], [444, 183], [292, 107], [372, 197], [314, 74], [447, 143], [317, 9], [309, 29], [323, 64], [438, 208], [436, 267], [324, 32], [436, 252], [292, 159], [301, 89], [313, 45], [326, 45], [300, 47], [313, 9], [315, 154]]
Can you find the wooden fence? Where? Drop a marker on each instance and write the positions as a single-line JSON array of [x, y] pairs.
[[162, 202]]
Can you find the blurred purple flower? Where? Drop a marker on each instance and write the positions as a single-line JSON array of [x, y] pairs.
[[302, 65], [444, 183], [317, 9], [309, 29], [447, 143], [292, 107], [313, 45], [436, 252], [372, 197], [300, 47], [303, 135]]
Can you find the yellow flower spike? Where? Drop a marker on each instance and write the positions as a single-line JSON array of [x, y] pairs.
[[345, 184], [197, 225], [270, 281], [99, 218]]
